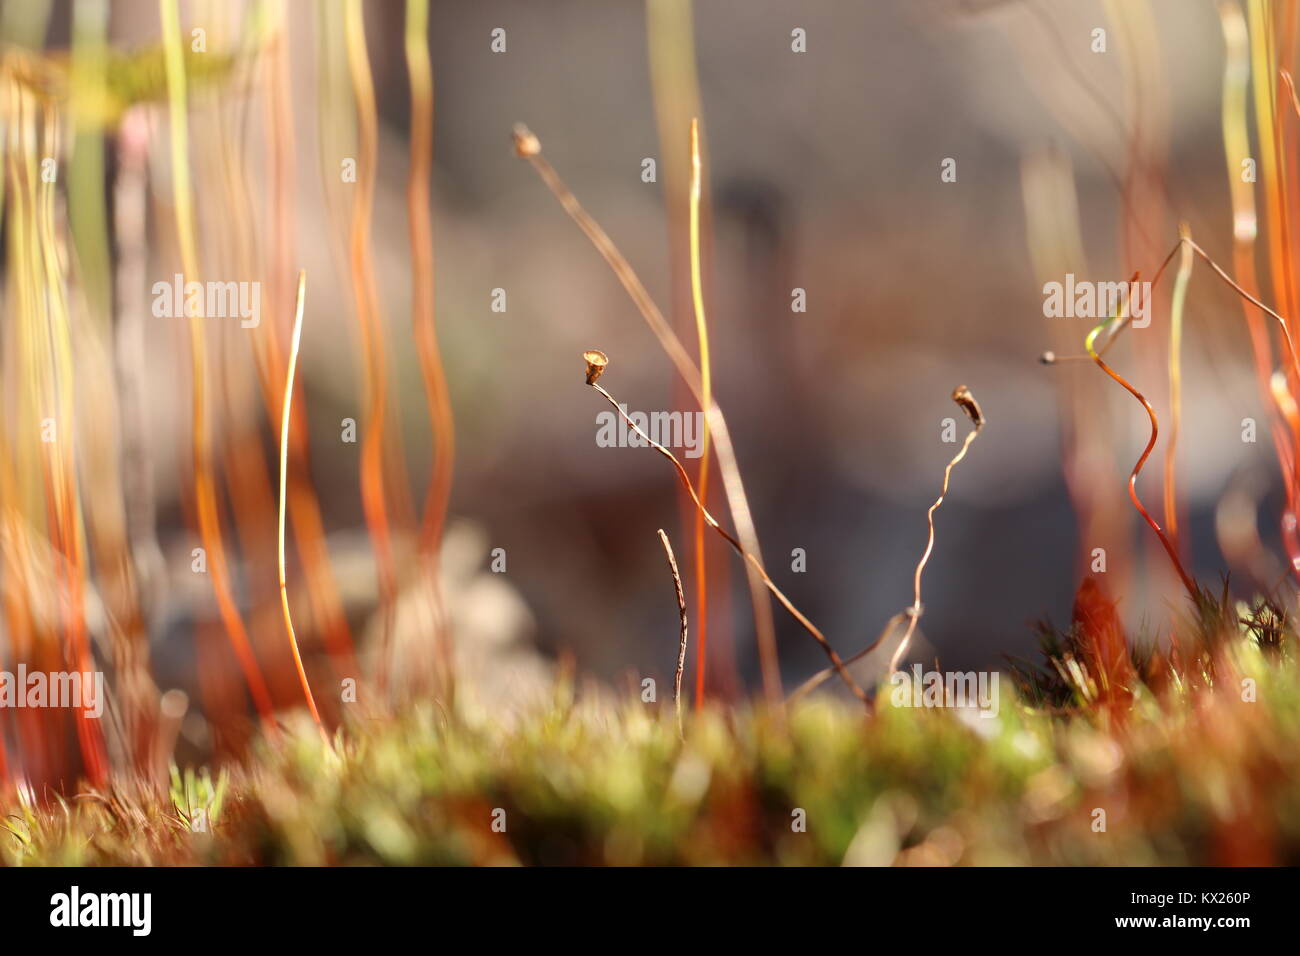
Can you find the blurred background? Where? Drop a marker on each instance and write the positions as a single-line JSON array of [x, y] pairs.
[[822, 172]]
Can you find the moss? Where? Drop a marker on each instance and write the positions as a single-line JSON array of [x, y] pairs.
[[1197, 775]]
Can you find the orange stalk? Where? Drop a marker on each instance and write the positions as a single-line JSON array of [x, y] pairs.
[[374, 499], [1236, 141], [205, 493], [304, 508], [1146, 453]]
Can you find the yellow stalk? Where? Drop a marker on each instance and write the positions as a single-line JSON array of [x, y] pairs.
[[706, 390], [1176, 383], [423, 317], [528, 147], [285, 410]]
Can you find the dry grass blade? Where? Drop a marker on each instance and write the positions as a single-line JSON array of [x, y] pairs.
[[681, 644], [822, 676]]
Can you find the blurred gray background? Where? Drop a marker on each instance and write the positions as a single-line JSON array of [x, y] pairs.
[[822, 173]]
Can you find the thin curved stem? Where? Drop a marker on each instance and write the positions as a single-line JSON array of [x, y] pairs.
[[1089, 344], [285, 414], [915, 611], [712, 522], [1118, 323], [963, 397]]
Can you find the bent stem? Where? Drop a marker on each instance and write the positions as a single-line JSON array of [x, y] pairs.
[[528, 147], [1120, 321], [753, 562], [963, 397], [1089, 344]]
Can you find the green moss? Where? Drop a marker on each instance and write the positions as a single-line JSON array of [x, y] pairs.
[[1191, 776]]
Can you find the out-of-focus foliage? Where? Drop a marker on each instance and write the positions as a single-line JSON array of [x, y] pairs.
[[1196, 772]]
